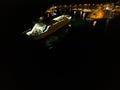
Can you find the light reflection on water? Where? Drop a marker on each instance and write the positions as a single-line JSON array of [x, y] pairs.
[[107, 23]]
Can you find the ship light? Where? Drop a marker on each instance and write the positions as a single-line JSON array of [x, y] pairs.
[[108, 8], [69, 25], [29, 33], [41, 18], [69, 18], [55, 7], [94, 23]]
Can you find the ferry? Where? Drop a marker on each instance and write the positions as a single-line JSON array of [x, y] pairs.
[[41, 29]]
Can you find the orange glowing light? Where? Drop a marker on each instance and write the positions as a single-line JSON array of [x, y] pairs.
[[97, 14]]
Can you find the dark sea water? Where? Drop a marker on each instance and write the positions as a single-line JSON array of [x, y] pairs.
[[78, 55]]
